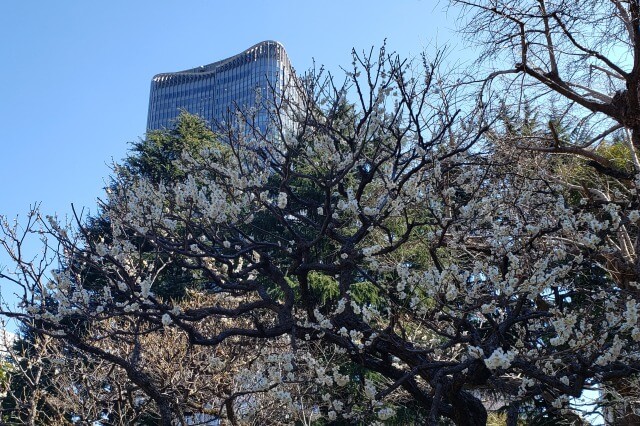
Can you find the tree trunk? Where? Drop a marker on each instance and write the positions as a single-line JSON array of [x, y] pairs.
[[468, 410]]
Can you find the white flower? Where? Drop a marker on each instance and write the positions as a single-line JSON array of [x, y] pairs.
[[386, 413], [452, 293], [283, 396], [282, 200], [325, 323], [475, 352], [560, 401], [340, 379], [631, 314], [145, 288], [369, 389], [226, 244], [216, 363], [101, 250], [166, 319], [369, 211], [532, 229], [368, 251], [499, 359]]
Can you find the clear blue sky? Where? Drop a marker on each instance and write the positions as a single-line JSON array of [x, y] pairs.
[[75, 75]]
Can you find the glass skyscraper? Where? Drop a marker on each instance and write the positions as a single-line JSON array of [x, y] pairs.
[[216, 91]]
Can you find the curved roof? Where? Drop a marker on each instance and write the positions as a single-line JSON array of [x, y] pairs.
[[215, 66]]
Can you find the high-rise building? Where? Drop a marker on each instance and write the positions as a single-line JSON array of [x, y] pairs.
[[216, 91]]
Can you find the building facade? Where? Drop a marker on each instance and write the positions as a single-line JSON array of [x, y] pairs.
[[216, 91]]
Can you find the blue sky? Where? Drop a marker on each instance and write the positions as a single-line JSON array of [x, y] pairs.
[[75, 75]]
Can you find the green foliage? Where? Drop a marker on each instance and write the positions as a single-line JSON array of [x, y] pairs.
[[153, 157], [582, 172], [618, 153], [324, 287], [5, 375]]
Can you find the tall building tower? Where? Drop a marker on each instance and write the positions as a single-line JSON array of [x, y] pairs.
[[216, 91]]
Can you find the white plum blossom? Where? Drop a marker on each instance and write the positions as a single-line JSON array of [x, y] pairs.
[[500, 359], [282, 200], [145, 288], [386, 413], [340, 379], [475, 352], [369, 389], [166, 320]]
